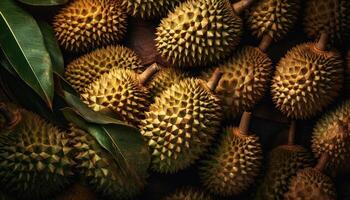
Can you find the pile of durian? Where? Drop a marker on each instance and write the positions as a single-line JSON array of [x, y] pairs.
[[196, 108]]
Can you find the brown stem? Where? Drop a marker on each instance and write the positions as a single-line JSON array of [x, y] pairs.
[[244, 124], [322, 42], [291, 133], [265, 42], [322, 162], [148, 73], [241, 5], [214, 79], [12, 117]]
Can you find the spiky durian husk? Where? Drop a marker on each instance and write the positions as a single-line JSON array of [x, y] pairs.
[[234, 165], [306, 81], [181, 124], [84, 70], [35, 158], [148, 9], [332, 135], [246, 77], [86, 24], [99, 169], [199, 33], [331, 16], [273, 17], [120, 91], [283, 163], [188, 194], [77, 192], [311, 184]]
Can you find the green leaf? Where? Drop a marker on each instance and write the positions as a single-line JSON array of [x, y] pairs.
[[52, 47], [5, 63], [44, 2], [125, 144], [23, 45]]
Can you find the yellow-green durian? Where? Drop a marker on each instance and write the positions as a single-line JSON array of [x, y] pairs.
[[87, 24], [274, 18], [307, 80], [148, 9], [198, 33], [188, 194], [181, 124], [87, 68], [331, 16], [99, 169], [332, 135], [35, 157]]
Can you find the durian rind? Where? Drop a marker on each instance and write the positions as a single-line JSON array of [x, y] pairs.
[[198, 33], [188, 194], [180, 125], [234, 165], [306, 81], [85, 69]]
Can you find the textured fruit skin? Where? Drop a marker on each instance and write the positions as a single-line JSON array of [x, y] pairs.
[[87, 68], [188, 194], [332, 135], [306, 81], [99, 170], [234, 165], [282, 164], [331, 16], [180, 125], [120, 91], [77, 192], [35, 158], [198, 33], [273, 17], [245, 80], [149, 9], [311, 184], [87, 24]]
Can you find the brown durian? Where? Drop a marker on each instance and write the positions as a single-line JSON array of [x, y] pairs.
[[188, 194], [87, 24]]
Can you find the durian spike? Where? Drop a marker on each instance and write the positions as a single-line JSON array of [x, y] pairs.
[[322, 161], [12, 117], [291, 133], [148, 73], [244, 123], [214, 79], [265, 42], [240, 6], [321, 44]]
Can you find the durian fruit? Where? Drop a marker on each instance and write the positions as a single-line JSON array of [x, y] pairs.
[[87, 68], [283, 163], [188, 194], [121, 91], [331, 16], [87, 24], [311, 183], [148, 9], [307, 79], [200, 33], [77, 192], [99, 170], [273, 18], [332, 135], [35, 157], [236, 162], [181, 123], [246, 78]]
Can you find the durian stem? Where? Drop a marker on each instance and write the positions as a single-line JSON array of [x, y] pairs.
[[322, 161], [214, 79], [244, 123], [240, 6], [12, 117], [322, 42], [148, 73], [265, 43], [291, 133]]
